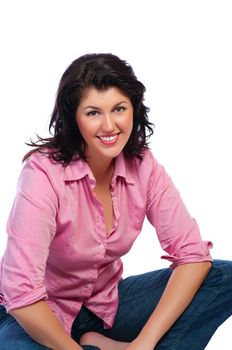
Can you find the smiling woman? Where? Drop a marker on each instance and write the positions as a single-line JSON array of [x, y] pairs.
[[100, 73], [81, 201], [105, 120]]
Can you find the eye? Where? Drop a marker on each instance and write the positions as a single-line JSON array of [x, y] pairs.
[[92, 113], [120, 109]]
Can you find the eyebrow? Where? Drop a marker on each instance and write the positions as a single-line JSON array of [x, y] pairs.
[[98, 108]]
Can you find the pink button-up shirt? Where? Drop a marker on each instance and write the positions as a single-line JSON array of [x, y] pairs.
[[57, 246]]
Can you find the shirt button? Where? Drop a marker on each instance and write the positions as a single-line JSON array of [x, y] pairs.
[[90, 285], [101, 245]]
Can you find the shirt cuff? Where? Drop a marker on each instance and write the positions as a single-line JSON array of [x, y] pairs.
[[197, 255], [26, 299]]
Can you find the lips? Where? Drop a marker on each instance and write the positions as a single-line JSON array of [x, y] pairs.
[[109, 139]]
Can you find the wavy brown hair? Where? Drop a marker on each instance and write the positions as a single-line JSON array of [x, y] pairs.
[[101, 71]]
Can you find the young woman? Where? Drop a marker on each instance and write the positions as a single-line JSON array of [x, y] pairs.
[[81, 201]]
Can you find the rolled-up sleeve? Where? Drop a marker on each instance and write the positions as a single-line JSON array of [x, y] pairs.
[[177, 231], [31, 228]]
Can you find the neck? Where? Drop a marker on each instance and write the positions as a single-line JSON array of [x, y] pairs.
[[102, 170]]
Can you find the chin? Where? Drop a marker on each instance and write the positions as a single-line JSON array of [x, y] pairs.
[[110, 154]]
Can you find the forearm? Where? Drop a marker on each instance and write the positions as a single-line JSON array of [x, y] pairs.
[[180, 290], [42, 325]]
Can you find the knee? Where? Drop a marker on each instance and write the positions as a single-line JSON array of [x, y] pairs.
[[224, 266], [87, 338], [221, 271], [88, 341]]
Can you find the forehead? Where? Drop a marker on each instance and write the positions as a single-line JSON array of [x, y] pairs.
[[109, 95]]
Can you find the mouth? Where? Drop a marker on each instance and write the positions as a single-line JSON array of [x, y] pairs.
[[109, 139]]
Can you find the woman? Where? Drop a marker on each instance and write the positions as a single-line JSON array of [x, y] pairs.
[[80, 204]]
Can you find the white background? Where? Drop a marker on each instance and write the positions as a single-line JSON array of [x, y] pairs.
[[180, 50]]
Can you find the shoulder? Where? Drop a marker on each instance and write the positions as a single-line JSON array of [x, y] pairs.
[[43, 162], [141, 170], [146, 165], [41, 171], [148, 172], [41, 166]]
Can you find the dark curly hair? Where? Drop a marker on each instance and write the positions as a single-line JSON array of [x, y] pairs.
[[100, 71]]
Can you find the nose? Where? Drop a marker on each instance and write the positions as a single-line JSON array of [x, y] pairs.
[[108, 123]]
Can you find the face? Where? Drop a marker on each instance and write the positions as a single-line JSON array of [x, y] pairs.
[[105, 120]]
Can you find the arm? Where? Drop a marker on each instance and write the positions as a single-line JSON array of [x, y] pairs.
[[179, 236], [41, 324], [180, 290], [31, 230]]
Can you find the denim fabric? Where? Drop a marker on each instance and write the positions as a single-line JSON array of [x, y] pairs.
[[12, 335], [138, 296]]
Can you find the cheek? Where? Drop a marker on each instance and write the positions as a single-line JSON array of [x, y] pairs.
[[86, 127], [129, 123]]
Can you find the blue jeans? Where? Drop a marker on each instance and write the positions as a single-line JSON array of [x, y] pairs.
[[138, 296]]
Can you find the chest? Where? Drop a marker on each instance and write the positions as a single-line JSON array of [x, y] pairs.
[[85, 218], [88, 211], [105, 198]]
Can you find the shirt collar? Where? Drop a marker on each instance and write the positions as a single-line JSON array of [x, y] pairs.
[[123, 169], [78, 169]]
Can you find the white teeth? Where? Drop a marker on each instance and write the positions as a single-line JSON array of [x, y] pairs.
[[108, 138]]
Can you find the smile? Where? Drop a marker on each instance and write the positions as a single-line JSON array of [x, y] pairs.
[[109, 139]]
